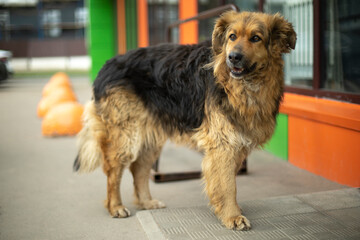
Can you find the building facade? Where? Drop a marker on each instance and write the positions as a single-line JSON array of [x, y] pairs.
[[32, 28]]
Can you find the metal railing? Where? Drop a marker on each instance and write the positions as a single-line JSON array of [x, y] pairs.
[[203, 15]]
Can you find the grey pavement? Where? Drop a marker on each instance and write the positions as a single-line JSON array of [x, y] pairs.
[[41, 198]]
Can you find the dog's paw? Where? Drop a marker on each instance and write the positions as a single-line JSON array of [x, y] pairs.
[[152, 204], [237, 223], [119, 212]]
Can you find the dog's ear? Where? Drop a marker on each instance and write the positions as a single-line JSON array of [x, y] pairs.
[[282, 34], [218, 35]]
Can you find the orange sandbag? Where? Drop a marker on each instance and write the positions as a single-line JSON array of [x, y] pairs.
[[58, 80], [62, 120], [58, 96]]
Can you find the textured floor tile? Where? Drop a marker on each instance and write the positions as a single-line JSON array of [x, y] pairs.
[[291, 217]]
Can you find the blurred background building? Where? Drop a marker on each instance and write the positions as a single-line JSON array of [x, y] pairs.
[[44, 34], [319, 125]]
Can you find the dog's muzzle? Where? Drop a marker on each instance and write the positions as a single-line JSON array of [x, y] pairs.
[[238, 65], [235, 62]]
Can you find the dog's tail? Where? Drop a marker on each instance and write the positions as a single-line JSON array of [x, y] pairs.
[[88, 141]]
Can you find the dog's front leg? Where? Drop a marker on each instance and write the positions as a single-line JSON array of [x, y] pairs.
[[219, 170]]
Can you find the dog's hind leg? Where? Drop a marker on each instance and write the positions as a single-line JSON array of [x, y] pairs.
[[113, 202], [140, 170], [119, 151]]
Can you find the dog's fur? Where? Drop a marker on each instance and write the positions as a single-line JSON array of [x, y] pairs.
[[220, 97]]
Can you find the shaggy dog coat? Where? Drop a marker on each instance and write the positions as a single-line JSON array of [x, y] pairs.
[[220, 97]]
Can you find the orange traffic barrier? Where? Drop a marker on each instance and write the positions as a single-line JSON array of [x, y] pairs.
[[50, 88], [58, 106], [57, 96], [63, 120], [60, 77], [58, 80]]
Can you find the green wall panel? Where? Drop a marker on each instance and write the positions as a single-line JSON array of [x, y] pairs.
[[101, 33], [131, 24], [278, 144]]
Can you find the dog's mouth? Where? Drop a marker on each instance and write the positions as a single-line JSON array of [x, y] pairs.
[[240, 71], [237, 72]]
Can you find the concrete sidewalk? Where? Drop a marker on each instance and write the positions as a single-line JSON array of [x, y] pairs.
[[41, 198]]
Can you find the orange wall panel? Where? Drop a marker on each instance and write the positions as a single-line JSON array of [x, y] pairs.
[[143, 31], [326, 150], [188, 31]]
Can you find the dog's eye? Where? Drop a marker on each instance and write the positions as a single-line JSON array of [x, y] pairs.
[[255, 38], [232, 37]]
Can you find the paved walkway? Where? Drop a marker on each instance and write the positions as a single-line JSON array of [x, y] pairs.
[[41, 198], [324, 215]]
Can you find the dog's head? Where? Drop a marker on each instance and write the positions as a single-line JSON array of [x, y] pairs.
[[247, 40]]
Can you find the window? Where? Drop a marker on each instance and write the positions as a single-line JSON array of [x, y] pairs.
[[341, 58], [206, 26], [51, 23], [298, 64], [161, 14], [42, 20]]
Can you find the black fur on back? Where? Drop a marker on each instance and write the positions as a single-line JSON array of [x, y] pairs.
[[170, 79]]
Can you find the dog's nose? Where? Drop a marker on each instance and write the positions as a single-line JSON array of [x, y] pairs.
[[235, 57]]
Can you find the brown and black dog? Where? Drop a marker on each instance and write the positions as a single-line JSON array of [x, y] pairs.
[[219, 97]]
